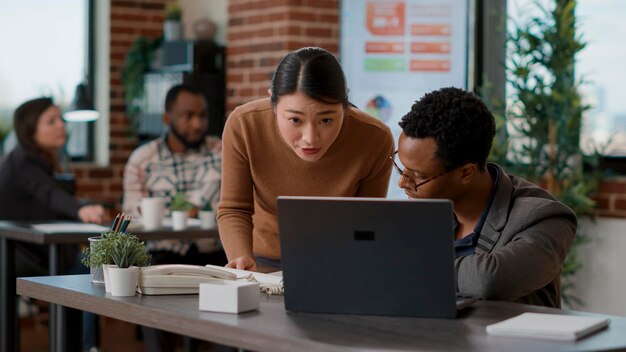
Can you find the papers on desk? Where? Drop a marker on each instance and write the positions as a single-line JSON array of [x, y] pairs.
[[548, 326], [167, 223], [271, 284], [64, 227], [168, 279]]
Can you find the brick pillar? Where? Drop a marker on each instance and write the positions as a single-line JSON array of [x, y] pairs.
[[261, 32], [611, 197], [129, 20]]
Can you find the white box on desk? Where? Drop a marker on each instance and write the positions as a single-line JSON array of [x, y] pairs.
[[225, 296]]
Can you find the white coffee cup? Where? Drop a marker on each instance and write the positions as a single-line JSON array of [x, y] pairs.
[[152, 211], [207, 219]]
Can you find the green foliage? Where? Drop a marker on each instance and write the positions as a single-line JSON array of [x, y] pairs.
[[180, 202], [544, 117], [173, 11], [5, 129], [207, 206], [137, 63], [127, 250], [117, 249]]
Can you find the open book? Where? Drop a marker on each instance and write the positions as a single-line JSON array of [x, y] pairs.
[[171, 279]]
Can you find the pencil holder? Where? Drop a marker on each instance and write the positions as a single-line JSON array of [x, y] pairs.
[[96, 273]]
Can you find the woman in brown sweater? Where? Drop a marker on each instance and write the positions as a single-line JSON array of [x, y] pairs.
[[305, 140]]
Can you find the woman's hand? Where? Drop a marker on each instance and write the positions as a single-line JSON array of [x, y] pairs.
[[243, 263], [92, 213]]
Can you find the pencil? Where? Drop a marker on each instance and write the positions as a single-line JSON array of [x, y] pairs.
[[119, 223], [125, 224], [114, 224]]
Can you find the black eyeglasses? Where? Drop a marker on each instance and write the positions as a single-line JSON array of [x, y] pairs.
[[408, 179]]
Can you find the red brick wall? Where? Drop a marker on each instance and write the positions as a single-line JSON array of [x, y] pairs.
[[611, 197], [129, 19], [261, 32]]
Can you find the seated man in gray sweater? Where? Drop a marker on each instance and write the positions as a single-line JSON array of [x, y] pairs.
[[511, 237]]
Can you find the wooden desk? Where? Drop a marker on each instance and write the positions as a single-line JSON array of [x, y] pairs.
[[272, 329], [11, 232]]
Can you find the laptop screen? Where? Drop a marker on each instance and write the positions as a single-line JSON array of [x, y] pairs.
[[368, 256]]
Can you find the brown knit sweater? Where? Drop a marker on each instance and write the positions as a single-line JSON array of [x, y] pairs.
[[258, 166]]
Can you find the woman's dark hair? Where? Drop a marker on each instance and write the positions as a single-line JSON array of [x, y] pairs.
[[25, 121], [313, 71], [458, 121]]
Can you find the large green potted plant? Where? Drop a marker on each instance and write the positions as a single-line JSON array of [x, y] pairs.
[[544, 116], [137, 63]]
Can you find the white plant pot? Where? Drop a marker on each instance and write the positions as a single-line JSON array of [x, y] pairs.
[[207, 219], [172, 30], [123, 281], [107, 280], [179, 220]]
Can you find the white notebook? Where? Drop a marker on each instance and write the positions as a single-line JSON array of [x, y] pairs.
[[548, 326]]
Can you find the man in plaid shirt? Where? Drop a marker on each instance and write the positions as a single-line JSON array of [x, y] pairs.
[[185, 160]]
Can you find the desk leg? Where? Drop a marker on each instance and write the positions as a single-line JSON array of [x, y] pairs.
[[69, 330], [53, 269], [9, 337]]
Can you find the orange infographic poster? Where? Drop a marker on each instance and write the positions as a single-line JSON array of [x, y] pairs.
[[395, 51]]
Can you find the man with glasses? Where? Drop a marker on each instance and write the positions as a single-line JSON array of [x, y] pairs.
[[511, 237]]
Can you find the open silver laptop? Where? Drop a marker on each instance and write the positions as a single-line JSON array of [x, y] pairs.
[[368, 256]]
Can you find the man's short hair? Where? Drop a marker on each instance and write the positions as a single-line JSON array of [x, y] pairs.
[[173, 93], [458, 121]]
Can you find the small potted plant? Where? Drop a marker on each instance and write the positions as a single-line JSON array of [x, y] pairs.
[[173, 28], [127, 253], [179, 208], [207, 216]]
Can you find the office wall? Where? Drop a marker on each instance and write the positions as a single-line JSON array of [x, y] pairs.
[[214, 10], [128, 20], [261, 32], [611, 197], [601, 282]]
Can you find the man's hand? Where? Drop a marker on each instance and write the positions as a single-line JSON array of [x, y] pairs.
[[243, 263], [92, 213]]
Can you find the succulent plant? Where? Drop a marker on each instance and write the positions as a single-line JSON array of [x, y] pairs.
[[124, 250]]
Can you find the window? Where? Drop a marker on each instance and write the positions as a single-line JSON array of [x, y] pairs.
[[45, 53], [600, 66]]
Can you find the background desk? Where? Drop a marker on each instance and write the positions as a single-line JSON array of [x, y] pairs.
[[10, 232], [272, 329]]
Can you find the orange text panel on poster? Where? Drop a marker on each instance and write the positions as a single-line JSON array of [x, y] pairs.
[[430, 65], [384, 47], [386, 18], [431, 29], [430, 47]]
